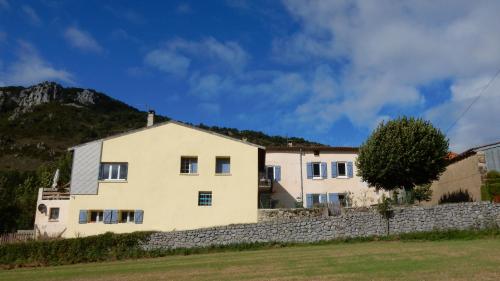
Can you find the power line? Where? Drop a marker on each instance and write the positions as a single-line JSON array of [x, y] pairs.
[[474, 101]]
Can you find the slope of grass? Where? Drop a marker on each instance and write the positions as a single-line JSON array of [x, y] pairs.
[[378, 260]]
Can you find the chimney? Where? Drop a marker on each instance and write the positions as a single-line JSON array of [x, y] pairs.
[[245, 139], [151, 118], [290, 144]]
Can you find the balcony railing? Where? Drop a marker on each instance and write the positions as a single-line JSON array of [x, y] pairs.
[[265, 184], [55, 194]]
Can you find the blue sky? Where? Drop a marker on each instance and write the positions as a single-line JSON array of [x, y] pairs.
[[328, 71]]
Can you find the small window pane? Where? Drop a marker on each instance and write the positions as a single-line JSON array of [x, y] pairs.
[[54, 214], [105, 171], [123, 171], [189, 165], [222, 165], [270, 172], [316, 170], [341, 169], [114, 172], [315, 199], [205, 199]]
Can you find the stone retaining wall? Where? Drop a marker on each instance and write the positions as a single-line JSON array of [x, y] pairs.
[[352, 223], [290, 214]]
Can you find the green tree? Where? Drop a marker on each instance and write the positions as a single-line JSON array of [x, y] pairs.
[[402, 153], [423, 192]]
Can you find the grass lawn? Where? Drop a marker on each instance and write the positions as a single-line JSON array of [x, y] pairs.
[[381, 260]]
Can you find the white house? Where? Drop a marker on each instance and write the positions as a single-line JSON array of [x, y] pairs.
[[313, 175]]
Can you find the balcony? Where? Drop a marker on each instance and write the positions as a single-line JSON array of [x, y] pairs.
[[265, 184], [55, 194]]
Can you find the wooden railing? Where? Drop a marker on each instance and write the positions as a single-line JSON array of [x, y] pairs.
[[20, 236], [55, 194]]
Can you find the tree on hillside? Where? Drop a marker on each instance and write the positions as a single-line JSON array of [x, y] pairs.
[[402, 153]]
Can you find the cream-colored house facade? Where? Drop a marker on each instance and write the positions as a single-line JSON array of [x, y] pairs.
[[309, 176], [164, 177]]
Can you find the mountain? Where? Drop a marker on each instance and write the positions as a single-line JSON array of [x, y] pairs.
[[38, 123]]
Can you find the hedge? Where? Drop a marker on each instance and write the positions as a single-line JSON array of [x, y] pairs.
[[102, 247]]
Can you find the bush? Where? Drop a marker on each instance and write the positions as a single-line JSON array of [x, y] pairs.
[[456, 197], [102, 247], [491, 188]]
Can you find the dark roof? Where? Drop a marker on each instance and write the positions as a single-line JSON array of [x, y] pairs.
[[469, 152], [311, 148]]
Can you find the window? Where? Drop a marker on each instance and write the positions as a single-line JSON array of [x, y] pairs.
[[113, 171], [96, 216], [270, 172], [205, 198], [126, 216], [222, 165], [315, 200], [316, 153], [316, 170], [53, 214], [341, 169], [189, 165], [344, 200]]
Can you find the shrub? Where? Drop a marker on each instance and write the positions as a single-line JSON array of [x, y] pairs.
[[456, 197], [102, 247], [491, 188]]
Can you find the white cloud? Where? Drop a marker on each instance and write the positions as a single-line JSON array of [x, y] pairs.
[[168, 61], [82, 40], [388, 49], [180, 53], [30, 68], [209, 108], [31, 14], [184, 8]]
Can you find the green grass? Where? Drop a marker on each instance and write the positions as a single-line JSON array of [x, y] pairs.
[[463, 259]]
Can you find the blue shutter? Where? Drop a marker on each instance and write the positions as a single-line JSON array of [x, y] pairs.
[[114, 216], [333, 198], [82, 217], [106, 216], [277, 173], [309, 200], [309, 170], [323, 170], [334, 169], [322, 198], [349, 169], [138, 216]]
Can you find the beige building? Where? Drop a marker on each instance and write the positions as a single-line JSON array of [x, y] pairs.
[[307, 176], [467, 172], [165, 177]]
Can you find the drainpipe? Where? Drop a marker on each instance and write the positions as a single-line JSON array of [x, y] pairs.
[[301, 179]]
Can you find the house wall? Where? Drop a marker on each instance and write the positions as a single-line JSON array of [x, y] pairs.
[[45, 227], [288, 189], [465, 174], [168, 198]]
